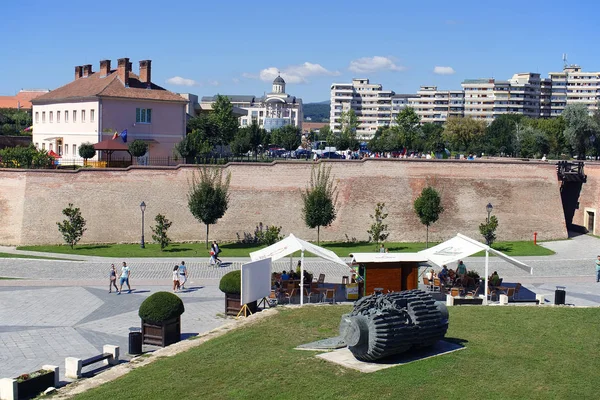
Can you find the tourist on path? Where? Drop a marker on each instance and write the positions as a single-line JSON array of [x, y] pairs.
[[598, 269], [125, 274], [217, 250], [113, 279], [183, 275], [176, 278]]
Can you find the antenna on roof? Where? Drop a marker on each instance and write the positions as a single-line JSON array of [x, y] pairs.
[[564, 58]]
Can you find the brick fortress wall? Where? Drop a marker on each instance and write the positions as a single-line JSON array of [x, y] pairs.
[[525, 197]]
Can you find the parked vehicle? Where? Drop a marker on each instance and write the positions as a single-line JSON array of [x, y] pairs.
[[332, 155]]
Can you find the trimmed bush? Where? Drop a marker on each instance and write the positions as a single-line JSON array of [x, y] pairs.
[[160, 307], [231, 282]]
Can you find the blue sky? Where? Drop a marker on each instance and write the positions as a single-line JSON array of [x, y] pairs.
[[236, 47]]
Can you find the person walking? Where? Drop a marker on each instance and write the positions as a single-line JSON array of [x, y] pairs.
[[125, 274], [215, 248], [176, 279], [598, 269], [113, 279], [183, 275]]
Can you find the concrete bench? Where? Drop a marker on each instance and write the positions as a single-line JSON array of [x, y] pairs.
[[73, 366]]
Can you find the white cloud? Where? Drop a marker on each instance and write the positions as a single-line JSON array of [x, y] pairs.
[[374, 64], [443, 70], [179, 81], [293, 73]]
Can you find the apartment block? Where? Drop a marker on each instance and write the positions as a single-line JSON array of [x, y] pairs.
[[573, 86], [435, 106]]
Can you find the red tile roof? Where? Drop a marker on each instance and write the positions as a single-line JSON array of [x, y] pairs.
[[96, 85], [21, 99]]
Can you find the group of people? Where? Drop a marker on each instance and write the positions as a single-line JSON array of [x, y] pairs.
[[180, 276], [214, 254], [123, 278], [452, 278]]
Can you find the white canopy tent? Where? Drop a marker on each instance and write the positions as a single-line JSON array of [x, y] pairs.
[[290, 245], [462, 246]]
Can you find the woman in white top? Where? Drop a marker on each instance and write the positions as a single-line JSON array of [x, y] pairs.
[[175, 278]]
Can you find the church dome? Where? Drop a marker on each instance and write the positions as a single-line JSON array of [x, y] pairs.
[[279, 80]]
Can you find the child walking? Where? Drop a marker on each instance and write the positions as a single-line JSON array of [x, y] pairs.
[[176, 278]]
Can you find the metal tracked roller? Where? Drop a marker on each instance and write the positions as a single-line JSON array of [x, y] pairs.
[[384, 325]]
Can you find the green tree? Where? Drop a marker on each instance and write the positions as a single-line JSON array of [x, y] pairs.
[[346, 138], [86, 151], [408, 127], [580, 128], [320, 198], [241, 142], [73, 227], [464, 133], [428, 207], [25, 157], [323, 135], [500, 135], [208, 196], [138, 148], [488, 230], [554, 130], [159, 231], [378, 229], [193, 145], [288, 137], [532, 143], [222, 116], [432, 137]]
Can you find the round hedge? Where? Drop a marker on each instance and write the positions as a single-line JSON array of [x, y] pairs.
[[160, 307], [230, 282]]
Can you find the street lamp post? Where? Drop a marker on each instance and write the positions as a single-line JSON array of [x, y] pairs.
[[489, 209], [143, 208]]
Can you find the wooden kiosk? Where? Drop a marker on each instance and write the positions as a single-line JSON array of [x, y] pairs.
[[392, 272]]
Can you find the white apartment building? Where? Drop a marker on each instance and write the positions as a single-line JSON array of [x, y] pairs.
[[572, 86], [435, 106], [273, 110]]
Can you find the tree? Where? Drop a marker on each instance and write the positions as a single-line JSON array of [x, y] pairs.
[[346, 138], [193, 145], [159, 231], [25, 157], [501, 134], [581, 129], [464, 132], [488, 230], [208, 196], [319, 199], [378, 228], [554, 131], [222, 116], [288, 137], [138, 148], [86, 150], [324, 133], [73, 227], [241, 142], [431, 135], [428, 208], [408, 128]]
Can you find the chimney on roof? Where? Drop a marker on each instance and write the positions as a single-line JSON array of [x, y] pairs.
[[87, 70], [130, 66], [104, 68], [123, 70], [78, 71], [146, 73]]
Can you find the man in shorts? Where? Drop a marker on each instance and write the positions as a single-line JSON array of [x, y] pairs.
[[182, 275], [125, 273]]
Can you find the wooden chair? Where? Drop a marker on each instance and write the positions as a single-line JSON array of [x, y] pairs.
[[517, 289], [312, 291], [427, 283], [273, 298], [510, 292], [289, 292], [454, 292], [437, 284], [329, 296]]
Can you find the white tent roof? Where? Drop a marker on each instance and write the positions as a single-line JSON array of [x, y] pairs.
[[460, 247], [387, 257], [292, 244]]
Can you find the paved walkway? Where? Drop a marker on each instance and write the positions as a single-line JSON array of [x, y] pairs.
[[62, 308]]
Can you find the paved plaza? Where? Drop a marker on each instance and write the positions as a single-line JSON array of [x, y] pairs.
[[61, 308]]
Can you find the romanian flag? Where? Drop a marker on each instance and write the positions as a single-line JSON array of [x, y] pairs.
[[116, 135]]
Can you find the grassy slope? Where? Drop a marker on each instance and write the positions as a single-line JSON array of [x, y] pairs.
[[342, 249], [511, 352]]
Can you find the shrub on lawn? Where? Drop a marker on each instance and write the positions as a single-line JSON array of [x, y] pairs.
[[230, 283], [160, 307]]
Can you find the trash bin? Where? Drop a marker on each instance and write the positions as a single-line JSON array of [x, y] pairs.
[[135, 341], [559, 295]]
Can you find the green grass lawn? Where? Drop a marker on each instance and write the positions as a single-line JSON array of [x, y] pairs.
[[342, 249], [10, 255], [511, 353]]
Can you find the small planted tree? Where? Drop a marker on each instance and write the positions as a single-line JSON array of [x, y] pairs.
[[319, 199], [159, 231], [428, 208], [208, 197], [488, 230], [378, 229], [138, 148], [86, 151], [73, 227]]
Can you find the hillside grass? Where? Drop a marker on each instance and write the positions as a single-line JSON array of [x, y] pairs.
[[510, 353], [342, 249]]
